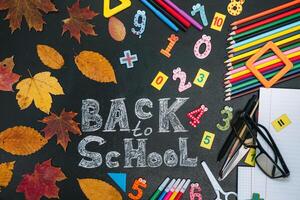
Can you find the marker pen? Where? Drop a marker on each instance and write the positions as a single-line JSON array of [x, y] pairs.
[[172, 197], [183, 189], [172, 189], [163, 194], [160, 189]]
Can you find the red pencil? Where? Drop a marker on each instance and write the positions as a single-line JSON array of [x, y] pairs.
[[270, 67], [174, 13], [266, 21], [266, 12]]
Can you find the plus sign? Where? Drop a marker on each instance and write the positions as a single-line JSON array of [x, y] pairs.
[[128, 59]]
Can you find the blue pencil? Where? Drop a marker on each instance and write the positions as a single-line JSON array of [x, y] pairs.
[[283, 28], [167, 189], [160, 15]]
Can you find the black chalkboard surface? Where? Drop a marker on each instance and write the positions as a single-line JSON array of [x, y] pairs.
[[132, 85]]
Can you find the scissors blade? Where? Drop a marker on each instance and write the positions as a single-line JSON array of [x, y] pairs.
[[212, 179], [232, 163]]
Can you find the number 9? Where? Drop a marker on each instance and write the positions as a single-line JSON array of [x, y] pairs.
[[139, 22]]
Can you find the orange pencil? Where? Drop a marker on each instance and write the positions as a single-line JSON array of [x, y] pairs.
[[266, 12]]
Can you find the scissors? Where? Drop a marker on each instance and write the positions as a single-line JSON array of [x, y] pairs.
[[215, 184]]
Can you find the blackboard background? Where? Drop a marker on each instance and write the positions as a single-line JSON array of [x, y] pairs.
[[133, 84]]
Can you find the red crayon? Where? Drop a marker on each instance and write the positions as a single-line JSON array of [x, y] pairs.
[[174, 13]]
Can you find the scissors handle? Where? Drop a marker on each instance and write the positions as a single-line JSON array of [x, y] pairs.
[[227, 194]]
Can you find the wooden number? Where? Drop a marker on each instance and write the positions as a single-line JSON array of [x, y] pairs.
[[218, 21], [201, 78], [195, 192], [141, 24], [250, 159], [178, 74], [207, 140], [159, 80], [137, 186]]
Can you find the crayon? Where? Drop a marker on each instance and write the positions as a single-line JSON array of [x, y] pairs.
[[183, 189], [160, 15], [172, 197], [163, 194], [172, 189], [160, 189]]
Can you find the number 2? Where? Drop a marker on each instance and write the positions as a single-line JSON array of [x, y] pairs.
[[178, 74]]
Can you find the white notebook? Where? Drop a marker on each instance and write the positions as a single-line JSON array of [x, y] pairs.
[[272, 104]]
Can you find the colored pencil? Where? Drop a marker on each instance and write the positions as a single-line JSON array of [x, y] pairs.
[[169, 194], [260, 66], [249, 80], [160, 189], [256, 88], [275, 18], [263, 61], [256, 50], [160, 15], [237, 47], [242, 63], [183, 189], [233, 53], [172, 197], [260, 30], [174, 13], [266, 12], [184, 14], [166, 190], [244, 59]]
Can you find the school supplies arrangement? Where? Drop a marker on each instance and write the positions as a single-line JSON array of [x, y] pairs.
[[249, 67], [279, 113]]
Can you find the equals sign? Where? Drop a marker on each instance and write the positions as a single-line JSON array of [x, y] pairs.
[[280, 122]]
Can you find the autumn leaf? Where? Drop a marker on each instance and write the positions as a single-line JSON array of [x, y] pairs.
[[31, 10], [116, 29], [42, 182], [98, 190], [6, 174], [21, 140], [95, 66], [50, 57], [60, 126], [78, 21], [38, 89], [7, 77]]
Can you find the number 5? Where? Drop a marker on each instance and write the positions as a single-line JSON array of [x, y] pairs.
[[137, 186], [207, 139]]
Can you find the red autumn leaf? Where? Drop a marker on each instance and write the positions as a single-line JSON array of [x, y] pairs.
[[7, 77], [60, 126], [42, 182], [78, 21], [29, 9]]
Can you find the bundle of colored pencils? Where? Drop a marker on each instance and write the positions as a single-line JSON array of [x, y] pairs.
[[280, 25]]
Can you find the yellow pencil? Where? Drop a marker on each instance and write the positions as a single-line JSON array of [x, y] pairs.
[[245, 46], [241, 73], [247, 54]]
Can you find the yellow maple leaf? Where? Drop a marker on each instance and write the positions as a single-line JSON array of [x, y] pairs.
[[38, 89], [21, 140], [95, 189], [6, 173]]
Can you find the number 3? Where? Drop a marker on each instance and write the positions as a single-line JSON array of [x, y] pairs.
[[200, 78]]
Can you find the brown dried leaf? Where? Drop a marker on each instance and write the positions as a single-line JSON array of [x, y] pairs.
[[50, 57], [116, 29], [95, 66], [21, 140]]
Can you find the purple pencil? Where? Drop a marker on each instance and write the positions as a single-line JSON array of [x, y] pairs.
[[184, 14]]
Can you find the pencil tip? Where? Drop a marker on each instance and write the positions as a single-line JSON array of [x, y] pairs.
[[229, 39], [228, 90], [232, 33], [232, 42], [228, 86], [228, 73], [227, 99], [228, 94], [227, 78], [230, 47], [230, 68], [229, 65], [231, 51], [227, 82], [227, 61], [234, 28]]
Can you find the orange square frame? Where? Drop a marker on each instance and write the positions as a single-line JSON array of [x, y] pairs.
[[279, 75]]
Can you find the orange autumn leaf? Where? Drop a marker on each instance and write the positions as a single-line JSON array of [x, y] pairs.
[[95, 66], [42, 182], [7, 77], [21, 140], [78, 21], [6, 174], [50, 57], [116, 29], [38, 89], [95, 189], [31, 10], [61, 126]]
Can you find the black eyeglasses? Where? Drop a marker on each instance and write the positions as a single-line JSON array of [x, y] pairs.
[[270, 162]]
